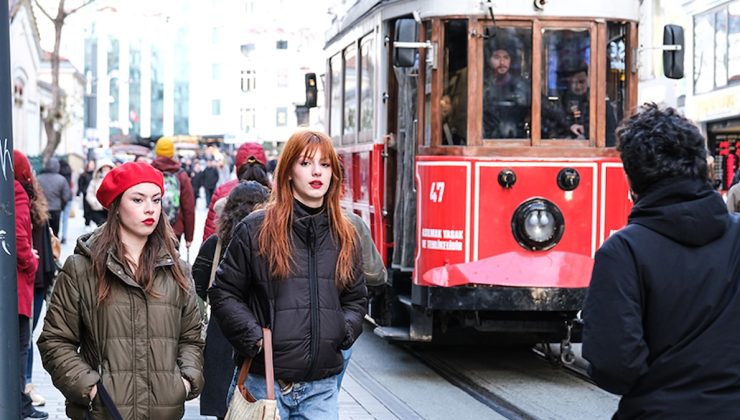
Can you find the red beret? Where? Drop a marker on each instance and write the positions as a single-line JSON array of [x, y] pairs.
[[253, 150], [126, 176], [22, 168]]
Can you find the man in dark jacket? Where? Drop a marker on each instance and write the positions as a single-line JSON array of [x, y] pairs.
[[663, 308], [184, 222], [56, 190]]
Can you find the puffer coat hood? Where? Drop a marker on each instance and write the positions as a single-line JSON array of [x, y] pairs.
[[139, 346], [52, 166]]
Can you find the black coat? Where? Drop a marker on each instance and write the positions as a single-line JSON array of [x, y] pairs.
[[662, 313], [217, 364], [311, 318]]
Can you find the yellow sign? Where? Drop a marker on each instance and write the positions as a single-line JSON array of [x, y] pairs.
[[716, 105]]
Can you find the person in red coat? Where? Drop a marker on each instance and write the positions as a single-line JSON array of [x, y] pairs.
[[248, 155], [28, 263], [185, 219]]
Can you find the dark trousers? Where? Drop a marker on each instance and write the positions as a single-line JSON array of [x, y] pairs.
[[209, 194], [54, 218], [24, 332]]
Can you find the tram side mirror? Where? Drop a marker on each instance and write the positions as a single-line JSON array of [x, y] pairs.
[[406, 31], [673, 51]]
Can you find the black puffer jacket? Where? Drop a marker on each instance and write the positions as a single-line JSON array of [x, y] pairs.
[[663, 308], [310, 317]]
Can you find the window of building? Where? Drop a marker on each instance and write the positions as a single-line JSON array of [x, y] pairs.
[[335, 107], [716, 64], [247, 49], [248, 119], [281, 117], [216, 107], [281, 44], [215, 35], [249, 80], [282, 78], [216, 71]]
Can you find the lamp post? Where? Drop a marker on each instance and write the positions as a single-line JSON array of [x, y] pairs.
[[10, 403]]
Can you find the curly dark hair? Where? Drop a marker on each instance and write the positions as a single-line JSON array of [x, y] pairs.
[[242, 200], [657, 144]]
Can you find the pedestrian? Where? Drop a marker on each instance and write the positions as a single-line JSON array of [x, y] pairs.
[[242, 199], [664, 299], [178, 201], [98, 213], [123, 317], [83, 181], [210, 180], [41, 238], [250, 157], [295, 268], [56, 190], [66, 171], [27, 264]]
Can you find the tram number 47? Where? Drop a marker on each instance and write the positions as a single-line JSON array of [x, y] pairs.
[[437, 192]]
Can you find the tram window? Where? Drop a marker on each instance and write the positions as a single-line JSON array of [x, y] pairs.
[[566, 54], [367, 86], [454, 103], [507, 86], [350, 95], [335, 111], [616, 78]]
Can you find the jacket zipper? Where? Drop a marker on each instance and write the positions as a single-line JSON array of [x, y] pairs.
[[314, 290]]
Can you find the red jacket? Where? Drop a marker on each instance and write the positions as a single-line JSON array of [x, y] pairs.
[[222, 191], [27, 262], [185, 220]]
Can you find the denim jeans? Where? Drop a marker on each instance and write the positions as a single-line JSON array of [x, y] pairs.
[[306, 400], [346, 354]]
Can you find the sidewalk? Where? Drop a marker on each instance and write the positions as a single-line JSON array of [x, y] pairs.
[[349, 405]]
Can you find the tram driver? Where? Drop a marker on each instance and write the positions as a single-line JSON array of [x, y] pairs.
[[506, 95]]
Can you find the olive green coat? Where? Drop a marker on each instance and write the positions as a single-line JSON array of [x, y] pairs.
[[146, 344]]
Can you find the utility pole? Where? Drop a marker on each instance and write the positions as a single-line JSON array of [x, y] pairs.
[[10, 398]]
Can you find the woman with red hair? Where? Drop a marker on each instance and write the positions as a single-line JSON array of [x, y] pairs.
[[295, 268]]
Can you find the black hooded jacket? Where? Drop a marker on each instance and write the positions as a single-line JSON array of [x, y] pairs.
[[662, 313], [311, 319]]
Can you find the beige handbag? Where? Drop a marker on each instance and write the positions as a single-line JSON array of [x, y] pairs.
[[243, 405]]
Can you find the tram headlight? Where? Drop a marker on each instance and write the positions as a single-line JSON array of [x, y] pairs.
[[537, 224]]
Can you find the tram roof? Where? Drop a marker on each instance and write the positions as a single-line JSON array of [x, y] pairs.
[[595, 9]]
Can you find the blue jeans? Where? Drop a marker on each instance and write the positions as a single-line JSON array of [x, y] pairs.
[[306, 400], [346, 354]]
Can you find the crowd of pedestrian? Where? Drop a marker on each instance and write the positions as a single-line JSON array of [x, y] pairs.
[[126, 331]]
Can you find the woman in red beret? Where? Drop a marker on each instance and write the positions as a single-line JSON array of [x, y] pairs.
[[127, 304]]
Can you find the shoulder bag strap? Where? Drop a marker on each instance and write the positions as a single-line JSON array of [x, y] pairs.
[[108, 404], [269, 370], [214, 265]]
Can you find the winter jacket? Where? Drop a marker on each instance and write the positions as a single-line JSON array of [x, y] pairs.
[[94, 184], [138, 345], [55, 186], [222, 191], [663, 307], [372, 263], [185, 220], [27, 262], [310, 317]]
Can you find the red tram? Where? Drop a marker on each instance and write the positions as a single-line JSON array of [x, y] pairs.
[[487, 207]]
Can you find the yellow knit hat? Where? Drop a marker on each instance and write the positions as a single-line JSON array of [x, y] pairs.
[[164, 148]]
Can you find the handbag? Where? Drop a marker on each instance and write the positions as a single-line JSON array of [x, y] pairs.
[[243, 405], [108, 404]]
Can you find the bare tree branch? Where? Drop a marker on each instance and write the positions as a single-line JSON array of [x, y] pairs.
[[43, 11], [78, 7]]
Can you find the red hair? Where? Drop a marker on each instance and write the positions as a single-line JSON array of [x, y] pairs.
[[274, 237]]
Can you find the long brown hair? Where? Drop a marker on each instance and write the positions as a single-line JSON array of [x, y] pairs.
[[108, 239], [274, 237]]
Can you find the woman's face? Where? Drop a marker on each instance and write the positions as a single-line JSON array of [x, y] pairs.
[[140, 208], [311, 179], [104, 170]]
